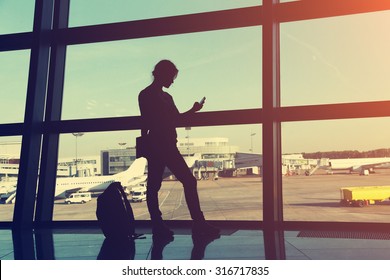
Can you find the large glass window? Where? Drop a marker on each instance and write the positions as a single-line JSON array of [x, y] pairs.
[[9, 168], [104, 80], [229, 181], [14, 67], [335, 60], [320, 158], [16, 16], [340, 59], [122, 10]]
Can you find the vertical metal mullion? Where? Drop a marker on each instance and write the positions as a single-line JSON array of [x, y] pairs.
[[272, 176], [44, 244], [23, 244], [47, 178], [34, 114]]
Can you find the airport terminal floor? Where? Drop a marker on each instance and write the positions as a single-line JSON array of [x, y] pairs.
[[88, 243]]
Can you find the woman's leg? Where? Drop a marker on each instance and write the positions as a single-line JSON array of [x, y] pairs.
[[177, 165], [155, 173]]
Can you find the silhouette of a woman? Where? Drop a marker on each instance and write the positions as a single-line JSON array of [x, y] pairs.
[[159, 116]]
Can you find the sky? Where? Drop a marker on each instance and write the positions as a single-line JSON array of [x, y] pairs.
[[323, 61]]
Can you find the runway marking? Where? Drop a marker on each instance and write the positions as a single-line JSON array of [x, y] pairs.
[[147, 212], [161, 204], [180, 201]]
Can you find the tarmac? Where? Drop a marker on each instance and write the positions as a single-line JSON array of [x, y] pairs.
[[305, 198]]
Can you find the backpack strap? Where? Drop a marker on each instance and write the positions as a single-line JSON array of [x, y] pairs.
[[125, 201]]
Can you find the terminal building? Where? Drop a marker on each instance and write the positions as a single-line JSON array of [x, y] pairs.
[[212, 155], [116, 160], [66, 167], [83, 167], [205, 156]]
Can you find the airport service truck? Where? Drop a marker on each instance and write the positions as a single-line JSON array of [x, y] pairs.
[[362, 196], [78, 198]]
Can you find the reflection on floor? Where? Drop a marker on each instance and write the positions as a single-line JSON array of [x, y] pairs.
[[90, 244]]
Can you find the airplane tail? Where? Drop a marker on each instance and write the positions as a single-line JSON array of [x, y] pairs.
[[137, 169]]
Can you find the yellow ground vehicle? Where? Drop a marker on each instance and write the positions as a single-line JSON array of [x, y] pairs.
[[361, 196]]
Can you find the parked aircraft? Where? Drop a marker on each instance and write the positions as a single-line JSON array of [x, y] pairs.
[[358, 165], [133, 176]]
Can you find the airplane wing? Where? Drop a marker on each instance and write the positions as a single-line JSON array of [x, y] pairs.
[[65, 192], [134, 181]]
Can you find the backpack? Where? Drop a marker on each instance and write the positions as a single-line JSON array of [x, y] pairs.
[[114, 213]]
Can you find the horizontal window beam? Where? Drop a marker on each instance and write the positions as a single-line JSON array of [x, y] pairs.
[[235, 18], [236, 117], [335, 226], [13, 42], [310, 9], [11, 129], [91, 125], [232, 117], [334, 111], [226, 19]]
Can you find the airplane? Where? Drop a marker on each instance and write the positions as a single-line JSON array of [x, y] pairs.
[[358, 165], [133, 176]]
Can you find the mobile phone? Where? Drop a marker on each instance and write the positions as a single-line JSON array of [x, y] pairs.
[[202, 100]]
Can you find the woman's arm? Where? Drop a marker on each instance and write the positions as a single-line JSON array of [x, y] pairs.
[[195, 108]]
